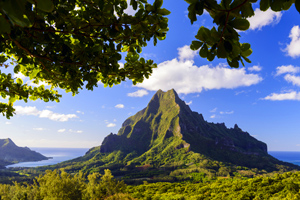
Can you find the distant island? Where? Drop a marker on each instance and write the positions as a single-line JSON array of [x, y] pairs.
[[10, 153]]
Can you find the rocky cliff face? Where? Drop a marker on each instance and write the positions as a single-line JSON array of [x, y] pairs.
[[167, 124], [11, 153]]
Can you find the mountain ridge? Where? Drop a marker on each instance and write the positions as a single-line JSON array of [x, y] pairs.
[[168, 116], [167, 134], [10, 153]]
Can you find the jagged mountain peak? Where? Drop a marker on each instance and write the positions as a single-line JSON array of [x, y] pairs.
[[168, 125]]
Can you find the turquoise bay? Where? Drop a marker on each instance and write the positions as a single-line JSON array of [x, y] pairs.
[[62, 154], [58, 155]]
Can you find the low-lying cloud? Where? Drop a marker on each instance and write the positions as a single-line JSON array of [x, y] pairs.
[[32, 110]]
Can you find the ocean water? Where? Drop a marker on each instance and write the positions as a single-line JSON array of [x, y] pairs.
[[62, 154], [287, 156], [58, 155]]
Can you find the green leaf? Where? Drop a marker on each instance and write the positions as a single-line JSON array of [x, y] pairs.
[[149, 8], [297, 5], [34, 72], [4, 25], [264, 4], [240, 24], [191, 1], [19, 81], [246, 59], [203, 34], [210, 56], [234, 63], [45, 5], [220, 18], [134, 4], [277, 5], [196, 45], [228, 46], [199, 8], [163, 11], [157, 4], [15, 10], [247, 10], [247, 52], [245, 46], [192, 13], [203, 51], [287, 4], [138, 49], [221, 51], [226, 3]]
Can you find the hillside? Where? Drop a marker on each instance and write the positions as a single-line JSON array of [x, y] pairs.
[[167, 135], [10, 153]]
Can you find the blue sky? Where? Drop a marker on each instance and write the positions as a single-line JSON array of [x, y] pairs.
[[263, 97]]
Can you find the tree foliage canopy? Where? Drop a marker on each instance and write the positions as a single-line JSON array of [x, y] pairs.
[[71, 44], [74, 44]]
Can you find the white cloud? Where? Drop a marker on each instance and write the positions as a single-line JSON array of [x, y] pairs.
[[286, 69], [32, 110], [186, 78], [189, 103], [240, 92], [213, 116], [149, 55], [293, 49], [20, 75], [138, 93], [255, 68], [213, 110], [55, 116], [293, 95], [61, 130], [111, 125], [119, 106], [80, 112], [261, 18], [292, 79], [227, 113], [8, 123], [121, 65], [129, 10], [27, 110], [38, 129], [185, 53], [73, 131]]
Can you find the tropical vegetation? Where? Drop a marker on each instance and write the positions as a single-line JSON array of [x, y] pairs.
[[58, 184]]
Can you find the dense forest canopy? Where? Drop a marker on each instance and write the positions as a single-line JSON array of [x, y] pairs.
[[74, 44], [61, 185]]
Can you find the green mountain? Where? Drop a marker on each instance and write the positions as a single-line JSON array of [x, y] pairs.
[[168, 135], [10, 153]]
